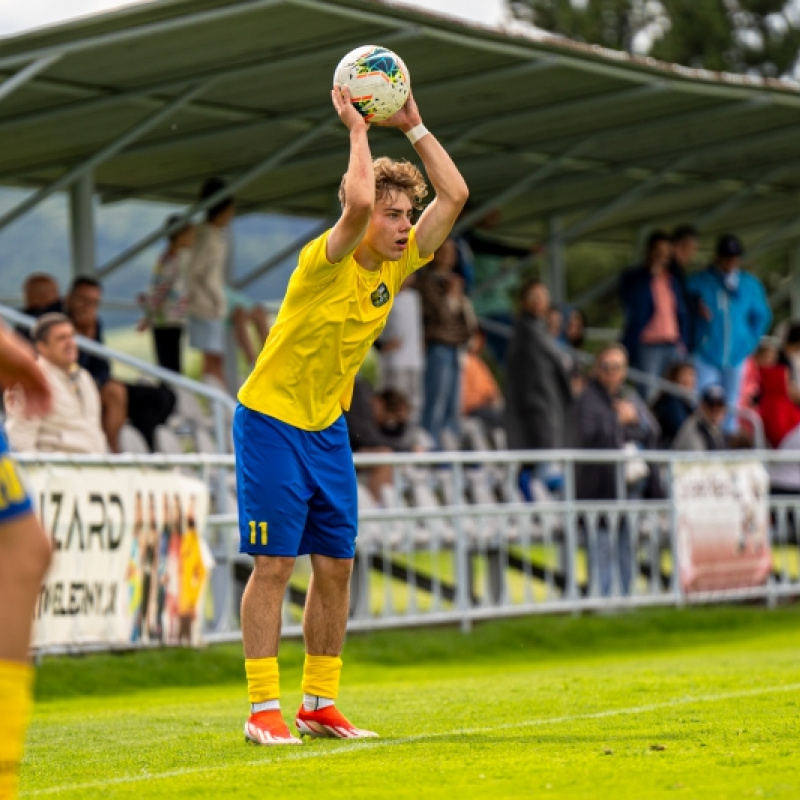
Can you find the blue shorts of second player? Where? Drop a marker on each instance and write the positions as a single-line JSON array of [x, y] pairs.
[[14, 498], [296, 489]]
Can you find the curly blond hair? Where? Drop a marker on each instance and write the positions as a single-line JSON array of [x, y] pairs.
[[395, 176]]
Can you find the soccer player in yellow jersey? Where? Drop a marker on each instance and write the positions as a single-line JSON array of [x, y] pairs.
[[295, 477], [24, 558]]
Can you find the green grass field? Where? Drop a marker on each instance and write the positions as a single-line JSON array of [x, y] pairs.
[[697, 703]]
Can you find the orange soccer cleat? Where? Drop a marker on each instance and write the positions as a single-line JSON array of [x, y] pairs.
[[329, 722], [268, 727]]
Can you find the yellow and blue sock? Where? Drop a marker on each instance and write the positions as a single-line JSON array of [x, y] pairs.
[[320, 681], [263, 684], [16, 680]]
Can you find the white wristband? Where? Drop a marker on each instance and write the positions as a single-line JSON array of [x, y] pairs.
[[416, 133]]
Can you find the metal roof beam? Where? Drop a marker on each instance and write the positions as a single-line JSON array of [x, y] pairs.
[[128, 34], [460, 140], [282, 254], [581, 165], [520, 186], [776, 237], [26, 74], [148, 95], [452, 33], [449, 85], [106, 152], [551, 110], [249, 175], [632, 195], [762, 185]]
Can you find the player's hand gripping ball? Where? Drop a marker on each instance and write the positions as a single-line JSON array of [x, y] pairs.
[[378, 80]]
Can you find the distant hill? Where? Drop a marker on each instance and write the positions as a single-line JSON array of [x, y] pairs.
[[39, 242]]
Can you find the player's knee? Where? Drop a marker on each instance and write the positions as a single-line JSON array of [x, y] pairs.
[[334, 572], [273, 570]]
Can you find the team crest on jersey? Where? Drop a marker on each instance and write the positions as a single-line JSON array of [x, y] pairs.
[[380, 297]]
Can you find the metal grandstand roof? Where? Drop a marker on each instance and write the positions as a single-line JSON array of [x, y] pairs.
[[151, 99]]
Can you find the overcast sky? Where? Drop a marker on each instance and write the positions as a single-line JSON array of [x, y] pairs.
[[20, 16]]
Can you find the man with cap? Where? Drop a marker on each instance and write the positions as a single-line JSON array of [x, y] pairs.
[[703, 430], [731, 315]]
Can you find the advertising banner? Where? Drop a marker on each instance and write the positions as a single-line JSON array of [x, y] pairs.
[[723, 525], [129, 559]]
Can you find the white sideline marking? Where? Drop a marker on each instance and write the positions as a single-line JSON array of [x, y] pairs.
[[294, 755]]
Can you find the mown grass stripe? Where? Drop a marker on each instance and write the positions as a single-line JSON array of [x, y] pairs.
[[348, 747]]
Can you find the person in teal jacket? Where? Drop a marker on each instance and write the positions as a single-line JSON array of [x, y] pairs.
[[731, 315]]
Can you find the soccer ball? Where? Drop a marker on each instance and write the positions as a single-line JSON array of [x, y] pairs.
[[378, 80]]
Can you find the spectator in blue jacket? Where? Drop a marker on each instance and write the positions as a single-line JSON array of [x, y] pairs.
[[731, 316], [656, 317]]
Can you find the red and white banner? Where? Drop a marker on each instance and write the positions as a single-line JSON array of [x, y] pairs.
[[723, 525], [129, 559]]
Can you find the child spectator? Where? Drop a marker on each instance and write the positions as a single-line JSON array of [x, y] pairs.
[[672, 410]]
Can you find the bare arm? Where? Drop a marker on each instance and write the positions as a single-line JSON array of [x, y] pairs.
[[359, 182], [437, 220], [18, 367]]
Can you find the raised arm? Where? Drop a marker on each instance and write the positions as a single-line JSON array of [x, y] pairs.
[[18, 368], [359, 181], [437, 220]]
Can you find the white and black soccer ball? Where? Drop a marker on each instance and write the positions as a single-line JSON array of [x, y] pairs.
[[378, 80]]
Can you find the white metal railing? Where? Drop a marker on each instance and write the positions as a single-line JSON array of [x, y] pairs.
[[460, 544]]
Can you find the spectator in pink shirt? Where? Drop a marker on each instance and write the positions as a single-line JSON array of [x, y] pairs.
[[656, 330]]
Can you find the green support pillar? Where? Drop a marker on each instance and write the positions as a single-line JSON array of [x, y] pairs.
[[81, 219]]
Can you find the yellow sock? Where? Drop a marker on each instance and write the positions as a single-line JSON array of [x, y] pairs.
[[263, 682], [15, 704], [321, 676]]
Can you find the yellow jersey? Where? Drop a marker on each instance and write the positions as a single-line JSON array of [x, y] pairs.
[[331, 315]]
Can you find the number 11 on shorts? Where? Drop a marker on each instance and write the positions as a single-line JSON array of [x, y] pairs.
[[262, 528]]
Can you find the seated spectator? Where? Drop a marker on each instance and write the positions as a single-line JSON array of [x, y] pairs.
[[702, 431], [164, 303], [367, 437], [608, 417], [448, 321], [672, 410], [393, 417], [656, 317], [402, 347], [480, 395], [147, 407], [538, 394], [41, 296], [73, 424], [205, 282]]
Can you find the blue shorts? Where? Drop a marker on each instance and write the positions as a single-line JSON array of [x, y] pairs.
[[14, 498], [296, 489]]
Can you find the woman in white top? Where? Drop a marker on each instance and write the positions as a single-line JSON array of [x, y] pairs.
[[205, 282]]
